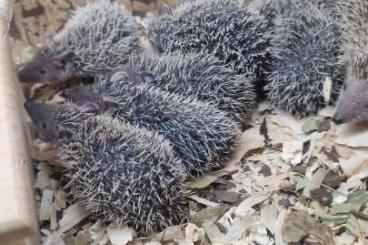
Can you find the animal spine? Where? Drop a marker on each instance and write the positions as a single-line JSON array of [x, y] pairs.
[[202, 76], [119, 171], [352, 104], [225, 29], [97, 38], [305, 56], [201, 135]]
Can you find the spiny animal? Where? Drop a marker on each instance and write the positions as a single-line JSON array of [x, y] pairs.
[[202, 76], [224, 28], [97, 38], [118, 171], [352, 105], [283, 6], [305, 51], [201, 135]]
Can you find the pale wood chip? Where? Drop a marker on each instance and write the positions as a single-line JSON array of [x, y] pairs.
[[46, 205], [74, 214]]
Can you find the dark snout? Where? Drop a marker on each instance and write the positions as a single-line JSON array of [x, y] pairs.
[[337, 120], [43, 69], [33, 73], [38, 112], [23, 75], [79, 95]]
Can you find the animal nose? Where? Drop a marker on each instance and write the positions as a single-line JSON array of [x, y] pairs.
[[337, 120]]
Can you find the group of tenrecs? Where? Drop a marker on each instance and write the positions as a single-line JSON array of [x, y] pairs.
[[169, 98]]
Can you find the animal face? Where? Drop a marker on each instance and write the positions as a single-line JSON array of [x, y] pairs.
[[91, 101], [44, 69], [352, 105], [44, 118]]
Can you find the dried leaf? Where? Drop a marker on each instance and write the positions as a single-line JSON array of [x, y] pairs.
[[327, 111], [97, 232], [238, 229], [284, 128], [249, 140], [269, 218], [46, 204], [226, 196], [119, 235], [206, 180], [43, 181], [357, 160], [353, 135], [82, 238], [72, 216], [315, 181], [170, 233], [322, 195], [246, 206], [298, 225], [299, 182], [353, 226], [334, 180], [192, 232], [265, 170], [185, 242], [311, 124], [213, 233], [224, 184], [47, 156], [355, 201], [203, 201], [152, 243], [55, 238], [60, 200], [345, 238], [343, 152], [209, 214], [261, 236], [292, 152], [53, 219], [333, 219], [28, 54]]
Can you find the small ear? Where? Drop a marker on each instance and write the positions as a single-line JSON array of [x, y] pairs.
[[63, 134], [166, 9], [109, 106], [67, 57], [92, 108], [101, 106], [147, 77]]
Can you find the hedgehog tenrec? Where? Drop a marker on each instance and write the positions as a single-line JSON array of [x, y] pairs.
[[97, 38], [202, 76], [224, 28], [118, 171], [352, 105], [306, 47], [201, 135]]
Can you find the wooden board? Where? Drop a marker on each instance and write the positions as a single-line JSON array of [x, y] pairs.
[[18, 222]]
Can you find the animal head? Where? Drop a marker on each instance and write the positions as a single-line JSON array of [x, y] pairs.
[[352, 105], [44, 68], [90, 100], [56, 122], [97, 97]]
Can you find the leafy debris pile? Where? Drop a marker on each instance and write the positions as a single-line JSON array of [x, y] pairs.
[[289, 181]]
